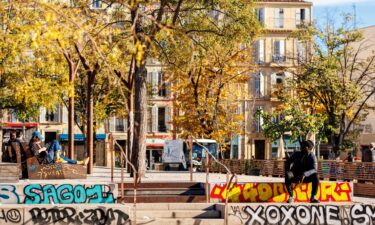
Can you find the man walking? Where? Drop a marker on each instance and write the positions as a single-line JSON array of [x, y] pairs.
[[302, 167]]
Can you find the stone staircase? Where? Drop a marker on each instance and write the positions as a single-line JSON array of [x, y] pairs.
[[178, 214], [163, 192]]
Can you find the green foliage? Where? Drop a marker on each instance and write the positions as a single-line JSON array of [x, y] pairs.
[[292, 118]]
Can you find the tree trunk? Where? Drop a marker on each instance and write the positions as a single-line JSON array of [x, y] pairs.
[[130, 130], [90, 109], [140, 106], [1, 140], [71, 127]]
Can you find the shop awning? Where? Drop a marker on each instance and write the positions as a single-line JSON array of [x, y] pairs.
[[80, 137], [155, 142], [19, 125]]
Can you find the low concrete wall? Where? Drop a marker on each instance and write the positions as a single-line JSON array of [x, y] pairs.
[[293, 214], [58, 193], [276, 192], [108, 214]]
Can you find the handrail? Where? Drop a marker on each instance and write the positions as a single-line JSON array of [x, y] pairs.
[[228, 181], [135, 180]]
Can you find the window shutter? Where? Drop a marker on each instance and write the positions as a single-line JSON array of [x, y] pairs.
[[111, 122], [261, 84], [256, 85], [125, 125], [65, 115], [261, 15], [307, 15], [282, 47], [256, 51], [261, 51], [273, 79], [298, 16], [277, 17], [42, 116], [277, 48], [155, 82], [154, 118], [168, 120]]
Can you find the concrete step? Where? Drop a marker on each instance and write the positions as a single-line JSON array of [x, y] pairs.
[[169, 191], [155, 185], [181, 222], [163, 198], [175, 206], [201, 214]]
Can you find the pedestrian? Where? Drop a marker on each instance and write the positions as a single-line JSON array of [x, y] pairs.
[[302, 167], [36, 147], [55, 156]]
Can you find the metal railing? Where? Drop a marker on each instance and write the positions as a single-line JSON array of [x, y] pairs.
[[228, 180], [135, 177]]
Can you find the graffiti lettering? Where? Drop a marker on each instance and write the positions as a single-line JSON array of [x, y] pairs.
[[70, 215], [67, 194], [304, 214], [8, 194], [10, 216], [276, 192]]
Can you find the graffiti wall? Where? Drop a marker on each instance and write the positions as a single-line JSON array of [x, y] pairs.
[[276, 192], [57, 193], [71, 215], [301, 214]]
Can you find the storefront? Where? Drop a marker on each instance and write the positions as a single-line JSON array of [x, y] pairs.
[[154, 150], [79, 147]]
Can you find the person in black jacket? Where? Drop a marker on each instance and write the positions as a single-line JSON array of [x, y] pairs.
[[302, 167]]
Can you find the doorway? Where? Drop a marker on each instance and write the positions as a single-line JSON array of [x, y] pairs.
[[260, 149]]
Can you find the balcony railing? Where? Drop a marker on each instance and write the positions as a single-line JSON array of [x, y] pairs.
[[278, 58]]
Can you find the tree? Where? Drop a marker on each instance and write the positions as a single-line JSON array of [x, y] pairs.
[[83, 36], [339, 76], [154, 24], [29, 78]]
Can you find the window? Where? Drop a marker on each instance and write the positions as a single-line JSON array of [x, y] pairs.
[[302, 16], [279, 18], [301, 52], [119, 124], [161, 120], [279, 51], [259, 52], [95, 3], [158, 84], [162, 85], [158, 119], [258, 85], [258, 120], [52, 115], [260, 15]]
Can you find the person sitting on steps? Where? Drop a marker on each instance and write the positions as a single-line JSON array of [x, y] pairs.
[[302, 167], [55, 156], [36, 147]]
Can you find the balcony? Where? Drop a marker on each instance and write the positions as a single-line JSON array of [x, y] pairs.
[[278, 59]]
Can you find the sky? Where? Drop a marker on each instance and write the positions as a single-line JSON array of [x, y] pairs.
[[365, 10]]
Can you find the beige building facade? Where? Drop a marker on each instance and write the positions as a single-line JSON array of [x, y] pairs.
[[276, 53]]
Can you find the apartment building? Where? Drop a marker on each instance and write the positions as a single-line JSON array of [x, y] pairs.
[[276, 54], [366, 128]]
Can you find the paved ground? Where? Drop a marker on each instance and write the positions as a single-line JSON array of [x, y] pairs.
[[102, 174]]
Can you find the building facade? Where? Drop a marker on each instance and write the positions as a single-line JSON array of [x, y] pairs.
[[276, 54]]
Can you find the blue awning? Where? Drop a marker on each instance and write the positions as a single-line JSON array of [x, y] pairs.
[[80, 137]]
